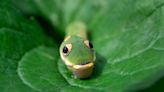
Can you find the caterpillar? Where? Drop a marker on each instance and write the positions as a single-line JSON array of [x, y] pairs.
[[77, 52]]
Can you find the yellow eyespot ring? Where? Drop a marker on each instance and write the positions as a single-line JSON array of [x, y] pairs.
[[89, 44], [67, 49]]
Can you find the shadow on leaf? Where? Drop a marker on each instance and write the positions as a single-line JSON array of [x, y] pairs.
[[100, 63]]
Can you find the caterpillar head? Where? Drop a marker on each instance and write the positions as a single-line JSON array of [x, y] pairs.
[[79, 56]]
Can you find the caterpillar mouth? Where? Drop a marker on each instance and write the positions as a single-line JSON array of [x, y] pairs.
[[84, 65]]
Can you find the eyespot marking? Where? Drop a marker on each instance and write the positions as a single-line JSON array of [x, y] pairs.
[[67, 49], [89, 44]]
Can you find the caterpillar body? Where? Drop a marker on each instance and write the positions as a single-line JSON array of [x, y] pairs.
[[77, 51]]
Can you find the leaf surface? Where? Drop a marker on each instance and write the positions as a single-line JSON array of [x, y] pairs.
[[127, 35]]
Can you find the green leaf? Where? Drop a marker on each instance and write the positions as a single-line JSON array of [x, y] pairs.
[[128, 37], [17, 36], [38, 69]]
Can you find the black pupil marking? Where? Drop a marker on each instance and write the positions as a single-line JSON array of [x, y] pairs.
[[90, 45], [84, 63], [65, 50]]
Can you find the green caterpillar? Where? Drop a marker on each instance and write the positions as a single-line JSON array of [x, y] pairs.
[[77, 51]]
